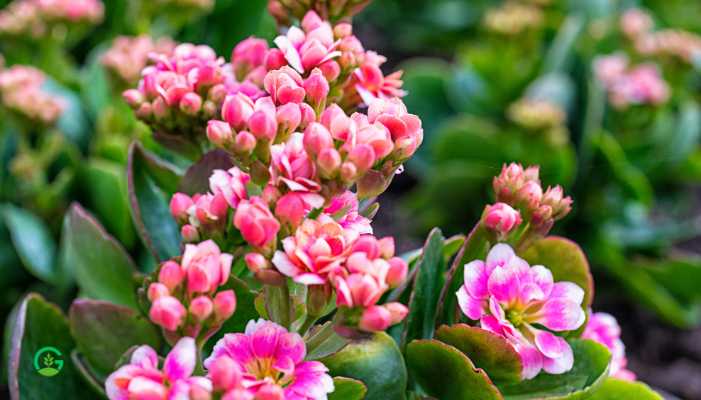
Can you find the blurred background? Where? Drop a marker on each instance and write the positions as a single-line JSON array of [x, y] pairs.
[[604, 95]]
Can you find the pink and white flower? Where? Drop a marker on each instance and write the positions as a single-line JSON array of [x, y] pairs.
[[309, 47], [257, 224], [143, 379], [267, 360], [512, 299], [372, 84], [230, 184], [604, 328]]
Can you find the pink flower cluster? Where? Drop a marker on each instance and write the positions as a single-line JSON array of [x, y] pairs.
[[626, 86], [142, 378], [130, 54], [180, 92], [35, 18], [604, 328], [514, 300], [187, 299], [521, 188], [21, 92], [501, 218], [266, 362], [333, 10]]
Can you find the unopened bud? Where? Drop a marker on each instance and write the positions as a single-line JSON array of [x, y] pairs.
[[224, 305], [201, 308]]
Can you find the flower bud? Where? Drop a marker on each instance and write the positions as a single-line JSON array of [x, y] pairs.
[[331, 70], [317, 87], [530, 194], [145, 111], [397, 311], [180, 203], [386, 245], [219, 132], [191, 103], [374, 319], [348, 171], [245, 142], [157, 290], [167, 312], [262, 125], [237, 109], [133, 97], [189, 234], [397, 272], [501, 218], [329, 161], [316, 139], [160, 108], [275, 59], [171, 275], [224, 305], [256, 262], [201, 308], [363, 156], [289, 117]]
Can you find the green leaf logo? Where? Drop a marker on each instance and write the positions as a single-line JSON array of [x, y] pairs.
[[48, 361]]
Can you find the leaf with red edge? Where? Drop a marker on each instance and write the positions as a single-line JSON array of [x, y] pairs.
[[196, 178], [487, 350]]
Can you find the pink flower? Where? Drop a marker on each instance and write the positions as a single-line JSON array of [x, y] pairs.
[[502, 218], [292, 207], [635, 23], [129, 55], [309, 47], [143, 379], [603, 328], [609, 69], [21, 92], [284, 86], [247, 55], [344, 209], [511, 298], [405, 128], [371, 84], [266, 360], [206, 267], [230, 184], [257, 224], [292, 167], [317, 249], [180, 205], [167, 312]]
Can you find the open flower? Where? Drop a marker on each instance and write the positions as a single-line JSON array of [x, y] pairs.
[[270, 361], [143, 379], [513, 300], [309, 47], [604, 328]]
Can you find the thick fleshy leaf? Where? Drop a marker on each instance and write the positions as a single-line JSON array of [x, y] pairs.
[[36, 325], [591, 361], [421, 320], [322, 341], [245, 311], [347, 389], [486, 350], [88, 374], [102, 268], [375, 361], [443, 372], [566, 261], [33, 243], [196, 178], [151, 182], [105, 186], [73, 122], [104, 331], [617, 389]]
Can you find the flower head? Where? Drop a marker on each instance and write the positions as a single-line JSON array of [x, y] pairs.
[[514, 300], [267, 359], [604, 328], [129, 55], [21, 92]]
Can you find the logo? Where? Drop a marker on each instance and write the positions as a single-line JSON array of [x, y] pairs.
[[48, 361]]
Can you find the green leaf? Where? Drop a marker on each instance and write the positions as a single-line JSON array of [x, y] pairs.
[[423, 302], [73, 122], [105, 185], [618, 389], [34, 244], [347, 389], [104, 331], [679, 274], [486, 350], [151, 182], [376, 361], [322, 341], [88, 375], [102, 268], [38, 324], [245, 311], [591, 362], [196, 178], [445, 373], [566, 261]]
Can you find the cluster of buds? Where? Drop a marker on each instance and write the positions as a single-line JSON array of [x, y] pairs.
[[522, 304], [604, 328], [180, 92], [630, 85], [187, 298], [129, 55], [521, 189], [334, 10], [266, 362], [21, 93], [37, 18], [513, 18]]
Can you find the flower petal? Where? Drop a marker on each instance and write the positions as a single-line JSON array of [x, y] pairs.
[[499, 255], [476, 278], [180, 362], [470, 306], [560, 314], [561, 364]]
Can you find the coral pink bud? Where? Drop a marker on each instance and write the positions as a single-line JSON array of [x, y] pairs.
[[386, 247], [262, 125], [157, 290], [167, 312], [191, 103], [223, 372], [201, 307], [316, 86], [311, 21], [144, 111], [249, 54], [217, 93], [363, 156], [256, 262], [160, 108], [257, 224], [219, 132], [397, 311], [289, 116], [374, 319], [224, 305], [397, 272], [308, 115], [331, 70], [275, 59], [329, 161], [290, 209], [502, 218], [530, 193], [189, 233], [133, 97], [245, 142], [348, 171], [312, 54], [180, 203], [317, 138], [237, 109], [171, 275]]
